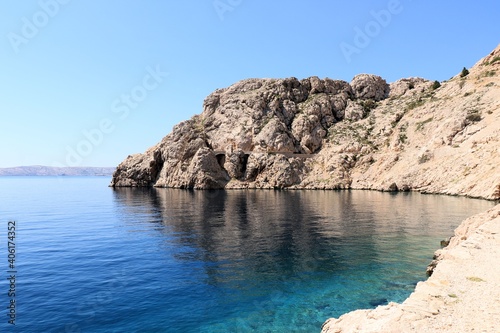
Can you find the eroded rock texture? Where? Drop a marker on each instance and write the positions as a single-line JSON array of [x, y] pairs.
[[328, 134]]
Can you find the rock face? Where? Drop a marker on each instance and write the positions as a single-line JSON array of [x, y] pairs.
[[249, 135], [462, 295], [330, 134], [366, 134], [370, 87]]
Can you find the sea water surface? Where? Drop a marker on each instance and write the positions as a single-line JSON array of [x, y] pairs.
[[95, 259]]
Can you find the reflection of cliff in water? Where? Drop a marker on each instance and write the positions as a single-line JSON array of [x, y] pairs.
[[241, 233], [264, 228]]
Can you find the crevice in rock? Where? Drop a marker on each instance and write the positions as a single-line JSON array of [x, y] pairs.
[[156, 166], [221, 159], [244, 162]]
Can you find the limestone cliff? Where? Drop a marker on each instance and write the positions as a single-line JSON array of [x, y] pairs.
[[329, 134]]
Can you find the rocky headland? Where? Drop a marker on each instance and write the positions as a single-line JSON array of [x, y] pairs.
[[410, 135]]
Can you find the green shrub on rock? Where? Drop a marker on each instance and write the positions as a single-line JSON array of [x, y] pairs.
[[464, 73]]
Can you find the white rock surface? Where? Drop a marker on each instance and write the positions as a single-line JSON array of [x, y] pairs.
[[329, 134], [462, 295]]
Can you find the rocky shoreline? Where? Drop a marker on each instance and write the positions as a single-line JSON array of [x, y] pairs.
[[461, 295], [410, 135]]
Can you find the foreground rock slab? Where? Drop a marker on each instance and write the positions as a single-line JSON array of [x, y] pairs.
[[462, 295]]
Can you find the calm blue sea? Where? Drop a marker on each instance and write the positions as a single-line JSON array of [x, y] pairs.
[[89, 258]]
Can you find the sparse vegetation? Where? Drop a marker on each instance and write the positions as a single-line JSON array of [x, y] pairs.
[[397, 118], [371, 121], [402, 133], [402, 137], [436, 85], [368, 105], [415, 104], [495, 59], [473, 116], [464, 72], [489, 73], [453, 295], [423, 158], [475, 279], [355, 131], [199, 124], [421, 124]]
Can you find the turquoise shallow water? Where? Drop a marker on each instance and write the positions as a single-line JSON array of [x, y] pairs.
[[93, 259]]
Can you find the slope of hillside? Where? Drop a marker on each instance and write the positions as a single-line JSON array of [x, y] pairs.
[[329, 134]]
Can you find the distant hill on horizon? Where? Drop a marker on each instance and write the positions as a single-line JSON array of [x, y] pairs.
[[41, 170]]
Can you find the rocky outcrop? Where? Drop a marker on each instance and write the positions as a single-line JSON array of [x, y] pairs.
[[327, 134], [255, 130], [462, 293], [370, 87]]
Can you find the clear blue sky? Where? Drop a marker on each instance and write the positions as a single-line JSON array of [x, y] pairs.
[[70, 67]]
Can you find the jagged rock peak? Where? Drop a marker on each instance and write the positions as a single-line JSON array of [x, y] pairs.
[[368, 86], [408, 85]]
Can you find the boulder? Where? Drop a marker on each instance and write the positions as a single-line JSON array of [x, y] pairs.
[[368, 86]]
